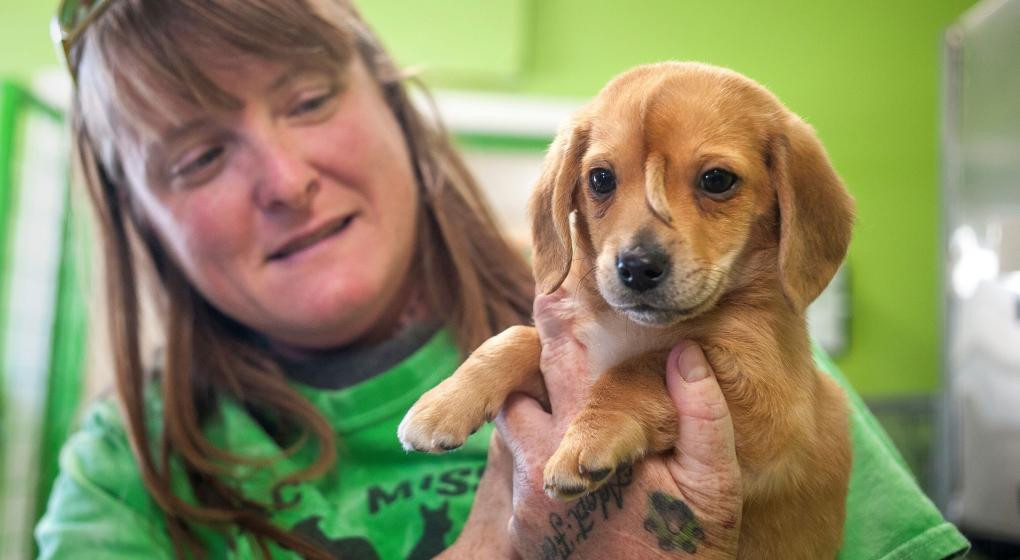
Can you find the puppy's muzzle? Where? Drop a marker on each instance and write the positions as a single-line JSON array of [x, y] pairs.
[[642, 267]]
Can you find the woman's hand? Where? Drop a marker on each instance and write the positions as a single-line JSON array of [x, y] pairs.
[[485, 533], [687, 500]]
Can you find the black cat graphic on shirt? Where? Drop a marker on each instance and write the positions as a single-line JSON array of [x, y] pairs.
[[436, 521]]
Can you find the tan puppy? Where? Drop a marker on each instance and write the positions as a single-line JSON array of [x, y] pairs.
[[705, 210]]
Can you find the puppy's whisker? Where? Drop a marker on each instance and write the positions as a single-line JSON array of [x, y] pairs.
[[588, 274]]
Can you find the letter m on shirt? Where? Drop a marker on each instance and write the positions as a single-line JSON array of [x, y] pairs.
[[377, 494]]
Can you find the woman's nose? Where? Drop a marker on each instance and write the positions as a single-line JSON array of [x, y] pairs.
[[288, 180]]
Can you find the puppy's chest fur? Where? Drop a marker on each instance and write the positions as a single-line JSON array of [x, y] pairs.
[[611, 339]]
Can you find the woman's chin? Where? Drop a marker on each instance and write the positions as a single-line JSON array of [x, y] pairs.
[[323, 334], [319, 319]]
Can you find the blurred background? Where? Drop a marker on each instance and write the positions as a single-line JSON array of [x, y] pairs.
[[917, 102]]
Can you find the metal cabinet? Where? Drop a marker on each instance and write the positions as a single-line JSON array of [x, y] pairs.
[[980, 465]]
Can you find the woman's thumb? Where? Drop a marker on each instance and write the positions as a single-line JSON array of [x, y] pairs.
[[705, 432]]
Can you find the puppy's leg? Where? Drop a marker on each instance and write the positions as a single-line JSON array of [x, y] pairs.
[[446, 415], [628, 415]]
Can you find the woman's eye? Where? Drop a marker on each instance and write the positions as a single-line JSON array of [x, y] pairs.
[[204, 160], [601, 181], [312, 104], [717, 182]]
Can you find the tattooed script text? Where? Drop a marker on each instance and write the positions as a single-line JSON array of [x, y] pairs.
[[573, 527]]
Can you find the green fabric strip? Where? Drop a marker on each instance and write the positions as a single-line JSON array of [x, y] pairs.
[[503, 143], [942, 541], [10, 100], [67, 354], [67, 350]]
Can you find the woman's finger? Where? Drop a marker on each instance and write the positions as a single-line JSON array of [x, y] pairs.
[[484, 533], [526, 429], [500, 461], [564, 360], [552, 316], [494, 498], [525, 426], [705, 444]]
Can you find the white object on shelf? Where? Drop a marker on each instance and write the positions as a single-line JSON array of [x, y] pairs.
[[985, 361]]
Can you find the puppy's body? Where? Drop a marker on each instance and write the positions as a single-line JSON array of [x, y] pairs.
[[705, 211], [790, 420]]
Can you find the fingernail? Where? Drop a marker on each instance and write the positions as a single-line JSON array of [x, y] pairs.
[[692, 364]]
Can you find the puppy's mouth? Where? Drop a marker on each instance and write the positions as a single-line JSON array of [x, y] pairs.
[[655, 316], [664, 309]]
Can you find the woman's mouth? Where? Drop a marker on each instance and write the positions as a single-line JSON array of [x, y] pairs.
[[306, 240]]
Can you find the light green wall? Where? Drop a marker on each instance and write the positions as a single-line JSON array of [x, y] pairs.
[[864, 73], [24, 38]]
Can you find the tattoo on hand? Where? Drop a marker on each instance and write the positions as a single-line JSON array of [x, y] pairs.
[[573, 527], [673, 523]]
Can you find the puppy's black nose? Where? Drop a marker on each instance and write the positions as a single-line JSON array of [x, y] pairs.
[[642, 268]]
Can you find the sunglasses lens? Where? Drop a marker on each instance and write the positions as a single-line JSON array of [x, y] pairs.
[[73, 12]]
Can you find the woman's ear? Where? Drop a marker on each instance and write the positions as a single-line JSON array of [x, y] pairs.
[[552, 202], [816, 214]]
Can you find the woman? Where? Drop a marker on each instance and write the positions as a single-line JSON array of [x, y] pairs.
[[321, 257]]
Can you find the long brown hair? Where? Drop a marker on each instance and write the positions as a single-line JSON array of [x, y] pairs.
[[139, 59]]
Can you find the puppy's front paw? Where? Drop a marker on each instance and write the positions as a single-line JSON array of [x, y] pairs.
[[594, 446], [444, 417]]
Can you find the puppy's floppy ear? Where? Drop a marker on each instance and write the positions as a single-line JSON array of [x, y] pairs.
[[816, 213], [552, 202]]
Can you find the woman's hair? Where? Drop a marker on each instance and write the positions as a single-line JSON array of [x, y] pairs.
[[138, 62]]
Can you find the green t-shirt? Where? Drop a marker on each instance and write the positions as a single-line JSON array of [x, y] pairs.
[[381, 502]]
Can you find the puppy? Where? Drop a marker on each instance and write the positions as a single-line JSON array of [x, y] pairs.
[[704, 210]]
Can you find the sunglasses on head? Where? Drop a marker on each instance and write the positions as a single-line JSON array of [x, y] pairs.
[[72, 19]]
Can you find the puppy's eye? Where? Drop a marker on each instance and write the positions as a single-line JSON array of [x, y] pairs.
[[601, 181], [717, 182]]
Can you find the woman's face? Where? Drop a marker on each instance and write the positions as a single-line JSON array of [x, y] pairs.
[[296, 213]]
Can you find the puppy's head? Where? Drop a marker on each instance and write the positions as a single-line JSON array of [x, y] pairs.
[[676, 170]]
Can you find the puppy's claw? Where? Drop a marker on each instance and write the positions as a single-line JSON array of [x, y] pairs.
[[565, 493], [409, 447], [564, 482], [598, 475], [447, 446]]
